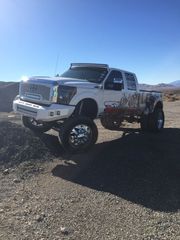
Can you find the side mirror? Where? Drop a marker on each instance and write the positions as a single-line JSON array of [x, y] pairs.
[[100, 86], [118, 83]]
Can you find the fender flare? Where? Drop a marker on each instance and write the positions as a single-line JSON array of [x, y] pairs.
[[152, 105]]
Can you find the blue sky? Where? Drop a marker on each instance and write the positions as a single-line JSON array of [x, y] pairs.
[[142, 36]]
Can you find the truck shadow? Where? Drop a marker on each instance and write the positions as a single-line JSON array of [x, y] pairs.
[[141, 168]]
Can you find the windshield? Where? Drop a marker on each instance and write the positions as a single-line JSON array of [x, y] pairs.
[[91, 74]]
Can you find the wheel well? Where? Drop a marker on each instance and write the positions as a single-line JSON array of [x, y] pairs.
[[87, 107], [159, 105]]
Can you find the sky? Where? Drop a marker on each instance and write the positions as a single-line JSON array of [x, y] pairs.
[[42, 37]]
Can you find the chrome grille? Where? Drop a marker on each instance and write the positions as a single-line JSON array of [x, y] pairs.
[[35, 92]]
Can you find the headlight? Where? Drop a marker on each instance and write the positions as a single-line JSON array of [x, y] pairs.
[[54, 94], [65, 94]]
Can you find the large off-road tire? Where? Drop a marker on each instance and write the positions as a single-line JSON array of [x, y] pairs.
[[78, 134], [156, 120], [36, 126], [153, 122], [110, 123]]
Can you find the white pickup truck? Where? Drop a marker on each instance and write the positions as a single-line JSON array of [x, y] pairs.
[[86, 91]]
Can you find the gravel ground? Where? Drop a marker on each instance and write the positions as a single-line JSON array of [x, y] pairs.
[[126, 187]]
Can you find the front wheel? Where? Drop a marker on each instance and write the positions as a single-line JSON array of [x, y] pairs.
[[36, 126], [78, 134]]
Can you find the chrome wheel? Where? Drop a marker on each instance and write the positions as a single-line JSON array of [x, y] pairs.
[[160, 120], [80, 135]]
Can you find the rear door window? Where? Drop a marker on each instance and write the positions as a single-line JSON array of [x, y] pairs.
[[131, 81]]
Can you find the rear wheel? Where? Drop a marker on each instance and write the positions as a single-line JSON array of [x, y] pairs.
[[110, 123], [78, 134], [156, 120], [36, 126], [153, 122]]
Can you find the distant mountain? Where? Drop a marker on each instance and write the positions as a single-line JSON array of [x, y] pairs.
[[176, 83], [161, 86], [165, 85], [8, 91], [158, 87]]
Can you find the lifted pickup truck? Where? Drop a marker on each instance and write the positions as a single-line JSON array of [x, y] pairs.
[[87, 91]]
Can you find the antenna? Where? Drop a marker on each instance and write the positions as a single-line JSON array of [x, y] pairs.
[[56, 65]]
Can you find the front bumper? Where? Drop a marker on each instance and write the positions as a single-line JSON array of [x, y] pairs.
[[45, 113]]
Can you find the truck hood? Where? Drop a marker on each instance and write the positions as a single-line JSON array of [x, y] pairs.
[[64, 81]]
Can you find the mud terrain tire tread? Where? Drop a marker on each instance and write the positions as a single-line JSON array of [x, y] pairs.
[[153, 120], [109, 123]]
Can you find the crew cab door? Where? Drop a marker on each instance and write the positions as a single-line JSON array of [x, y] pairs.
[[132, 93], [113, 88]]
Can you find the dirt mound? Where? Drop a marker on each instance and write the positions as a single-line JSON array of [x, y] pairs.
[[18, 145], [8, 91]]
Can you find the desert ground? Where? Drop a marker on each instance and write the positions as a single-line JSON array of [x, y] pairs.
[[126, 187]]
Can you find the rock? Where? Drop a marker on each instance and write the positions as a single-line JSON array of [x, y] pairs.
[[16, 180], [15, 198], [1, 210], [39, 218], [64, 231], [6, 171]]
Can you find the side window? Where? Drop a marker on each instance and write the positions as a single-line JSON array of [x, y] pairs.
[[114, 81], [131, 82]]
